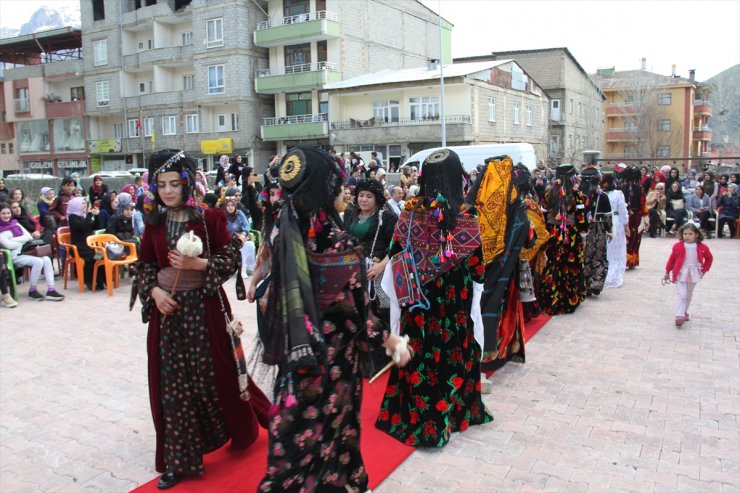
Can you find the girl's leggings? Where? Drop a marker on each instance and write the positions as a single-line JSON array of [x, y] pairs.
[[684, 291]]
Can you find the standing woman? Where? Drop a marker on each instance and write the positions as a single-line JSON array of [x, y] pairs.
[[563, 287], [316, 328], [197, 402], [439, 392], [97, 190], [250, 197], [616, 249], [638, 213], [599, 213]]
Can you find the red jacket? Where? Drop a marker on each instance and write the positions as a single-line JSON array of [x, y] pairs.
[[678, 256]]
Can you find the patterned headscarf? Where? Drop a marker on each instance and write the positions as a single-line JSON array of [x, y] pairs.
[[76, 207], [124, 200]]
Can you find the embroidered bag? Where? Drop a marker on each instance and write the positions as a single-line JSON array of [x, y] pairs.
[[332, 272], [405, 277]]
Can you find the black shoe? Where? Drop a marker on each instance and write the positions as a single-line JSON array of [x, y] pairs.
[[52, 295], [167, 480], [35, 295]]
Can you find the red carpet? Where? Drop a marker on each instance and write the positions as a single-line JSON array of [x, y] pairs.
[[242, 471]]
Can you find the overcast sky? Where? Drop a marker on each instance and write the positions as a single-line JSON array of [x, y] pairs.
[[704, 35]]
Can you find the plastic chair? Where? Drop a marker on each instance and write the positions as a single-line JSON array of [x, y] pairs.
[[11, 273], [58, 249], [97, 243], [71, 258], [257, 237]]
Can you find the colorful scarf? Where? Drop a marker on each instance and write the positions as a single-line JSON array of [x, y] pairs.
[[124, 200], [11, 226], [495, 193]]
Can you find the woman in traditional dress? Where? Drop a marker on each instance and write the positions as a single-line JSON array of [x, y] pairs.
[[317, 327], [616, 249], [197, 402], [563, 288], [638, 213], [439, 392], [599, 213]]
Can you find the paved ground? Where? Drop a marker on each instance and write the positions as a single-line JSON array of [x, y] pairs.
[[612, 398]]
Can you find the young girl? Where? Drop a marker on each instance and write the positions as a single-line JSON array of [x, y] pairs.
[[690, 259]]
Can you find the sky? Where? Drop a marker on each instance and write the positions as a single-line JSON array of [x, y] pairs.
[[702, 35]]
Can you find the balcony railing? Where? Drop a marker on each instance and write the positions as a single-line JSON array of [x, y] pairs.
[[22, 105], [400, 122], [702, 102], [297, 69], [298, 18], [286, 120]]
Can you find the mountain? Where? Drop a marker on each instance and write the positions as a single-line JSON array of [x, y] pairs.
[[725, 98], [45, 18]]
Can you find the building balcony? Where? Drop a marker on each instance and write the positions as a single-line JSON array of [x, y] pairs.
[[702, 107], [56, 109], [168, 56], [622, 134], [302, 77], [457, 128], [161, 98], [704, 133], [620, 109], [301, 28], [295, 127]]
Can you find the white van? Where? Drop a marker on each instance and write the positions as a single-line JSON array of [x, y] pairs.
[[472, 156]]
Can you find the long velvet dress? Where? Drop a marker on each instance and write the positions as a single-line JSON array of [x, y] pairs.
[[563, 288], [636, 208], [314, 438], [438, 392], [193, 389], [596, 264]]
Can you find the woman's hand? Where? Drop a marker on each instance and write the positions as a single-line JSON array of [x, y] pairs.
[[36, 235], [94, 211], [165, 304], [405, 354], [377, 269], [180, 261]]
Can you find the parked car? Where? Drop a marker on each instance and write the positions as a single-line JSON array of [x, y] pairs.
[[29, 176], [137, 171], [112, 174], [472, 156]]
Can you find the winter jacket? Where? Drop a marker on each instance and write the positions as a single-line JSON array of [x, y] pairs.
[[678, 256]]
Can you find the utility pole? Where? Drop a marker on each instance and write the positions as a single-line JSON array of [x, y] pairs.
[[441, 78]]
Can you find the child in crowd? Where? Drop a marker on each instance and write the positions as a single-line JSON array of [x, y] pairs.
[[690, 259]]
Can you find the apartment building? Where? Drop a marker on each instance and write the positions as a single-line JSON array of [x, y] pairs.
[[315, 43], [173, 73], [655, 117], [43, 128], [484, 102], [576, 119]]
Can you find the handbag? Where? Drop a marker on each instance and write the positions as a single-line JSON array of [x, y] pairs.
[[115, 251], [379, 300], [332, 271], [406, 281], [31, 245]]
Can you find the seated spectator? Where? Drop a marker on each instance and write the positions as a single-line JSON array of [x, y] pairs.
[[25, 219], [655, 202], [689, 183], [108, 206], [138, 218], [673, 175], [45, 200], [121, 223], [724, 180], [236, 194], [97, 190], [14, 238], [675, 207], [709, 184], [701, 208], [81, 225], [239, 226], [728, 205], [8, 301]]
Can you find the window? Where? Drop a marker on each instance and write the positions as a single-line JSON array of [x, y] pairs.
[[324, 102], [191, 124], [214, 32], [424, 108], [298, 103], [296, 7], [133, 127], [169, 125], [516, 113], [580, 109], [216, 79], [529, 115], [664, 98], [77, 93], [142, 87], [555, 110], [188, 82], [118, 130], [98, 10], [144, 45], [100, 52], [664, 125], [68, 134], [570, 106], [491, 109], [22, 103], [33, 136], [101, 93], [148, 127], [10, 148], [664, 151], [2, 148], [554, 145], [187, 38], [297, 58], [386, 111]]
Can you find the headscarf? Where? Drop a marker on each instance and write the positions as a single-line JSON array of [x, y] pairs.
[[97, 190], [124, 200], [76, 207], [231, 200], [128, 188], [374, 187], [223, 161], [310, 178], [43, 198], [11, 226]]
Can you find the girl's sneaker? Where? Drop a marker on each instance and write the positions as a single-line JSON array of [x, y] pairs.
[[680, 321], [35, 295], [8, 301], [53, 295], [686, 317]]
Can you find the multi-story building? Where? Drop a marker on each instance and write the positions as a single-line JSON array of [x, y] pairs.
[[484, 102], [43, 127], [576, 120], [173, 73], [312, 43], [655, 117]]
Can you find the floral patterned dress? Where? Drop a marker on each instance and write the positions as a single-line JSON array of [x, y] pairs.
[[314, 438], [438, 392], [193, 389], [562, 286]]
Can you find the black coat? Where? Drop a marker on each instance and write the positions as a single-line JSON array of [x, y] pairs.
[[122, 227]]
